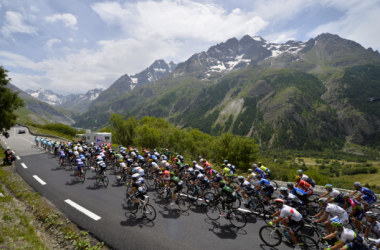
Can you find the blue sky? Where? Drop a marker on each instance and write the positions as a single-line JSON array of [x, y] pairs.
[[72, 46]]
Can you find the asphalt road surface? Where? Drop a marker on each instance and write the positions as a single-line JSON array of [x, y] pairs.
[[102, 211]]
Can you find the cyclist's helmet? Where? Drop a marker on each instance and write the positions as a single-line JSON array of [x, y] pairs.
[[329, 186], [279, 201], [225, 161], [290, 185], [172, 173], [322, 201], [186, 165], [222, 184], [345, 196], [254, 165], [241, 178], [300, 171], [371, 214], [204, 160], [357, 184], [283, 189], [297, 178], [250, 170], [121, 160], [197, 171], [135, 176], [336, 222], [194, 162]]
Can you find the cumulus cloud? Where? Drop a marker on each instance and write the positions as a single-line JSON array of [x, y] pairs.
[[282, 37], [358, 23], [14, 23], [34, 9], [50, 43], [68, 20], [185, 19]]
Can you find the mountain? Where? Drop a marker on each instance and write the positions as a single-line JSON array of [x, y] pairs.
[[127, 83], [74, 102], [297, 95], [38, 111]]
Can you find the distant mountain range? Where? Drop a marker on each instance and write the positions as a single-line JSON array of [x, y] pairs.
[[298, 95], [76, 102]]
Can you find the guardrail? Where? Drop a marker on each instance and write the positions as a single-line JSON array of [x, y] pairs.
[[46, 135]]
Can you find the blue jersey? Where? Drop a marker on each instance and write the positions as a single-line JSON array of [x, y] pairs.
[[260, 172], [297, 191], [265, 183], [367, 191], [37, 139], [79, 162]]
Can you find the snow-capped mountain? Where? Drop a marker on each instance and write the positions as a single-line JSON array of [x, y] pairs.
[[62, 101], [126, 83], [235, 54]]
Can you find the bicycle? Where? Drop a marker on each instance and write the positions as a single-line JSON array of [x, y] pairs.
[[81, 177], [104, 179], [146, 209], [276, 233], [236, 218], [182, 201]]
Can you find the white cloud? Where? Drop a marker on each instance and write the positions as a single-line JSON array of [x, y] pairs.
[[68, 20], [50, 43], [282, 37], [359, 23], [34, 9], [85, 40], [14, 23], [70, 40], [184, 19]]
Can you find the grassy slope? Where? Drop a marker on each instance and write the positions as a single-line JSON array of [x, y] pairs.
[[25, 115], [49, 132]]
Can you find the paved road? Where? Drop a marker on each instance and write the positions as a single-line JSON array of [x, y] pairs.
[[110, 221]]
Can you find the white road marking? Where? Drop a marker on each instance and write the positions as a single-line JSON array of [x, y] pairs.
[[39, 180], [23, 165], [83, 210], [18, 158]]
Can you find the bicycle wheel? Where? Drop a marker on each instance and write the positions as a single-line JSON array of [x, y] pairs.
[[149, 212], [270, 236], [256, 207], [209, 196], [132, 206], [183, 203], [159, 187], [149, 180], [237, 203], [192, 193], [306, 242], [166, 198], [274, 184], [105, 180], [237, 219], [313, 210], [213, 212]]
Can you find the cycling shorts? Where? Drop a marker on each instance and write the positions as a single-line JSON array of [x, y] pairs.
[[268, 191], [62, 157], [250, 191], [102, 169], [359, 214], [79, 167], [205, 185], [178, 188], [230, 199], [295, 226], [140, 195], [369, 199]]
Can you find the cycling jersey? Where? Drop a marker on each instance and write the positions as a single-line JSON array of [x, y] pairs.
[[265, 169], [369, 196], [260, 172], [228, 191], [352, 240], [198, 167], [306, 187], [227, 172], [290, 213], [300, 194], [337, 212], [375, 228], [177, 181], [265, 183], [292, 200]]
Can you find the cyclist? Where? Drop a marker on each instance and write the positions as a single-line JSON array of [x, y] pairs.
[[306, 178], [102, 167], [290, 218], [357, 210], [204, 183], [62, 156], [333, 210], [290, 199], [302, 195], [228, 175], [259, 171], [304, 185], [231, 196], [372, 225], [207, 167], [137, 188], [174, 180], [265, 169], [348, 239], [196, 166], [78, 162], [252, 177], [37, 140], [266, 189], [123, 167], [246, 189], [366, 194]]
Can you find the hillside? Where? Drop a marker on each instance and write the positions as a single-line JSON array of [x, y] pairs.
[[297, 95], [38, 111]]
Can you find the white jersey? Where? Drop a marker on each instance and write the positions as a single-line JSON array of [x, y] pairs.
[[347, 235], [248, 185], [335, 210], [334, 193], [304, 177], [290, 213], [198, 167], [375, 228]]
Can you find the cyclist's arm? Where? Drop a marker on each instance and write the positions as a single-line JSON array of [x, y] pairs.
[[324, 218], [351, 194]]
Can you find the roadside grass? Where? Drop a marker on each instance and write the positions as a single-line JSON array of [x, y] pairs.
[[18, 230], [49, 132], [371, 179]]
